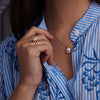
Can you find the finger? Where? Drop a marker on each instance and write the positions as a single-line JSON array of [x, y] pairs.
[[43, 46], [50, 60], [35, 30], [47, 53], [31, 39], [45, 58], [41, 42], [38, 37]]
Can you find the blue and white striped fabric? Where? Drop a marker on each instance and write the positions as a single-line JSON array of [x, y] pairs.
[[85, 85]]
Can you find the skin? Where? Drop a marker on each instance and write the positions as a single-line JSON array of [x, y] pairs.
[[60, 16]]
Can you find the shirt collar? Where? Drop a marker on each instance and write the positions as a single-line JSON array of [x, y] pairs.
[[86, 21], [83, 24]]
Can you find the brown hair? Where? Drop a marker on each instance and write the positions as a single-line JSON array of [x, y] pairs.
[[25, 13]]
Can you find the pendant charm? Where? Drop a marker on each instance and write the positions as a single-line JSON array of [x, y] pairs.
[[68, 50]]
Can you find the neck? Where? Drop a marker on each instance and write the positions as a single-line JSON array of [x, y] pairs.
[[62, 15]]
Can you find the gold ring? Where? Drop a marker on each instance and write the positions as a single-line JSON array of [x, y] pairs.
[[36, 42]]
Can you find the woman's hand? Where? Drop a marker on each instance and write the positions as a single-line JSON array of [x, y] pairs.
[[29, 55]]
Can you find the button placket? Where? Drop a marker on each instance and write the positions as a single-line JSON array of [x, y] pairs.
[[76, 32]]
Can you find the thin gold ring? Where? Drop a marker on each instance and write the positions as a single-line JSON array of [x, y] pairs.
[[36, 42]]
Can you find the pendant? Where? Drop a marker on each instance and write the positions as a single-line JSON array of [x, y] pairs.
[[68, 50]]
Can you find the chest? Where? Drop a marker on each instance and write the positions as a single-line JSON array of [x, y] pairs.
[[64, 62]]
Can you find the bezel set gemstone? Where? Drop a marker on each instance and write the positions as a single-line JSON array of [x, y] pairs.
[[68, 50]]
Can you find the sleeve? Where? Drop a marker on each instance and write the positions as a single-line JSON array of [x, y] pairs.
[[8, 74], [2, 91]]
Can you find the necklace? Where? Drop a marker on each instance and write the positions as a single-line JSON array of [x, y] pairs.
[[69, 46], [68, 49]]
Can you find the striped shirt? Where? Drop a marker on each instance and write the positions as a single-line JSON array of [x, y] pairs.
[[85, 85]]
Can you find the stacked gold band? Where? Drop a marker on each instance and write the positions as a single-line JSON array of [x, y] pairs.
[[35, 40]]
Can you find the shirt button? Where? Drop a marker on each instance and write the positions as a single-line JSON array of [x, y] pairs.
[[76, 32]]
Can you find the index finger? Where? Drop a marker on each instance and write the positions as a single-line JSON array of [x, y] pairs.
[[35, 30]]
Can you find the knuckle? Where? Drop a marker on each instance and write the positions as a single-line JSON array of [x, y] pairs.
[[48, 42], [34, 27], [17, 45], [43, 36], [44, 30]]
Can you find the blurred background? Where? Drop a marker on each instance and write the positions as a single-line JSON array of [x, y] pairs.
[[5, 29]]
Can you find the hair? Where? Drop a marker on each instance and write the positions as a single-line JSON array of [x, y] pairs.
[[98, 1], [26, 13]]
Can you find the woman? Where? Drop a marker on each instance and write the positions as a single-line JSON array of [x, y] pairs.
[[54, 53]]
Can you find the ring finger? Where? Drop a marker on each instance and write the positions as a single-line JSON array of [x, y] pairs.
[[35, 43], [35, 38]]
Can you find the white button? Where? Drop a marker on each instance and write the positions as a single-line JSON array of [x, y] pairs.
[[76, 32]]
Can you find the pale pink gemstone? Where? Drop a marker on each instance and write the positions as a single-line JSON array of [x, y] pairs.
[[68, 50]]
